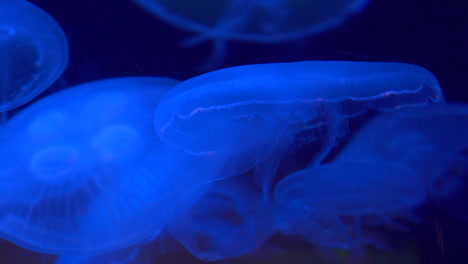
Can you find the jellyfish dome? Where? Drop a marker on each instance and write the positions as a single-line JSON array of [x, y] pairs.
[[33, 52], [253, 111], [83, 170], [253, 20]]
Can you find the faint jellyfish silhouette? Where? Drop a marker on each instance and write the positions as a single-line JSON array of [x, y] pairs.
[[341, 197], [227, 221], [432, 141], [33, 52], [262, 21], [249, 115], [84, 172]]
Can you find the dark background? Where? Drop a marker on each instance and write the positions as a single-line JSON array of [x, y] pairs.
[[110, 38]]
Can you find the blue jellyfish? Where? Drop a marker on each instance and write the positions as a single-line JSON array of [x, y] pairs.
[[229, 220], [431, 141], [339, 198], [84, 171], [249, 115], [263, 21], [33, 52]]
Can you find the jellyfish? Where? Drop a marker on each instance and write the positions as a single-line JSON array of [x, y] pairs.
[[33, 52], [432, 141], [339, 198], [248, 116], [261, 21], [229, 220], [83, 171]]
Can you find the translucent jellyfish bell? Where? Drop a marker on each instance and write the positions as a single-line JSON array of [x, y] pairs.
[[84, 171], [253, 112], [265, 21], [33, 52]]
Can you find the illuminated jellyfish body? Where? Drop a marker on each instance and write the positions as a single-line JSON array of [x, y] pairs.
[[228, 220], [83, 170], [432, 141], [248, 116], [264, 21], [339, 198], [33, 52]]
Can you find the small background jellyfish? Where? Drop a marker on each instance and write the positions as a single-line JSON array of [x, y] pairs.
[[33, 52], [431, 141], [336, 202], [262, 21]]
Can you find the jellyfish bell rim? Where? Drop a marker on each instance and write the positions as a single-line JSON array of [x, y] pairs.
[[245, 77], [157, 9], [51, 46]]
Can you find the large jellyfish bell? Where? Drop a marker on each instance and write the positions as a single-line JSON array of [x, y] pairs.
[[33, 52], [83, 170], [249, 115]]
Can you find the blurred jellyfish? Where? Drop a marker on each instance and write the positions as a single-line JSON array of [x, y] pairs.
[[339, 198], [432, 141], [249, 115], [229, 220], [33, 52], [84, 171], [263, 21]]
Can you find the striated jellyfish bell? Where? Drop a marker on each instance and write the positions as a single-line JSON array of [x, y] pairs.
[[33, 52], [248, 116], [84, 171], [263, 21], [229, 220]]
